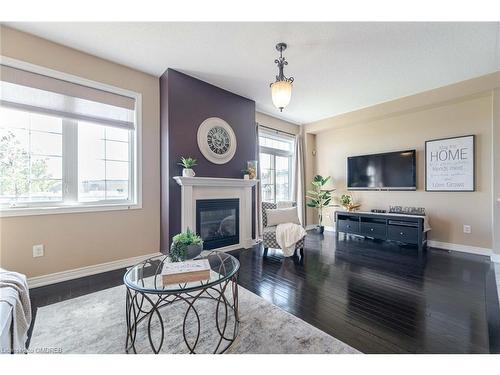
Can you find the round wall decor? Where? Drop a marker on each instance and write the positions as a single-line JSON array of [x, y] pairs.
[[216, 140]]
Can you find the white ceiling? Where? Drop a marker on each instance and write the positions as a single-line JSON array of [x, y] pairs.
[[338, 67]]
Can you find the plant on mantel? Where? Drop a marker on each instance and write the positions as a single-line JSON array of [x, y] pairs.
[[188, 164], [320, 198]]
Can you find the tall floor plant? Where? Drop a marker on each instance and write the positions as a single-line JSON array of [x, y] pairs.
[[320, 198]]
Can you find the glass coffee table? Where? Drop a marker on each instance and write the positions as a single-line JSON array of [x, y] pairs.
[[206, 310]]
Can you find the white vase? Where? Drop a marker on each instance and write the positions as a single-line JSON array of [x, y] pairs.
[[188, 172], [246, 177]]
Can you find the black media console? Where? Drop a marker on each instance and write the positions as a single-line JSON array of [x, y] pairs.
[[389, 227]]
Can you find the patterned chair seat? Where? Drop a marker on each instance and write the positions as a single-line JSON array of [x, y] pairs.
[[269, 233]]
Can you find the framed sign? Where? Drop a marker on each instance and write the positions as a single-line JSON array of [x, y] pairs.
[[216, 140], [449, 164]]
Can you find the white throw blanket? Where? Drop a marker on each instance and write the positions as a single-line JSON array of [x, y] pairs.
[[14, 291], [287, 235]]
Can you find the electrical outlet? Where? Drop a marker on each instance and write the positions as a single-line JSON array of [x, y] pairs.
[[467, 229], [38, 251]]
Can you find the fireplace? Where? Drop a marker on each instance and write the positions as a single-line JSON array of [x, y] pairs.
[[218, 222]]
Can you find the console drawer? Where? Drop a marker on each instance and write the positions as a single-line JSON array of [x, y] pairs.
[[403, 234], [348, 226], [375, 230]]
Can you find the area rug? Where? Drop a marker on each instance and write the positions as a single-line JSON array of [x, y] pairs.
[[95, 323]]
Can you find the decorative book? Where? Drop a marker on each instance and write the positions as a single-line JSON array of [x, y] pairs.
[[185, 272]]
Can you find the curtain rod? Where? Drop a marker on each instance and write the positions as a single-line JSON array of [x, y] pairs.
[[276, 130]]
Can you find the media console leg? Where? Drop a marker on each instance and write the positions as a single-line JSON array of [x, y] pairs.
[[420, 249]]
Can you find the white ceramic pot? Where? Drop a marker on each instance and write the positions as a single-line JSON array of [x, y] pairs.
[[188, 172], [246, 177]]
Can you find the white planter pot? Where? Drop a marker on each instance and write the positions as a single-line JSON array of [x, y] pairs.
[[188, 172], [246, 177]]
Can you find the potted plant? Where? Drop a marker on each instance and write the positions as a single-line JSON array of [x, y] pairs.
[[186, 245], [246, 174], [320, 198], [347, 202], [187, 164]]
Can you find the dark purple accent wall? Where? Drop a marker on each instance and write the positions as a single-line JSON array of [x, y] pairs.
[[185, 102]]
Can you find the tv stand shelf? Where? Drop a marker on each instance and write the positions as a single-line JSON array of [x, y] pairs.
[[388, 227]]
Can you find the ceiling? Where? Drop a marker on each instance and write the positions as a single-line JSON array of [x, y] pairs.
[[338, 67]]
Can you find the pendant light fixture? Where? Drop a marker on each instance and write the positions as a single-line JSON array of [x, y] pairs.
[[281, 90]]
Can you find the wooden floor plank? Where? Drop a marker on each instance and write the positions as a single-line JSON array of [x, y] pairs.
[[376, 297]]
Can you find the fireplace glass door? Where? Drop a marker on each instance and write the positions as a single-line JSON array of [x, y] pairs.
[[217, 222]]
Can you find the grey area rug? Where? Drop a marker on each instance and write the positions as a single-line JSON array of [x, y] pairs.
[[95, 323]]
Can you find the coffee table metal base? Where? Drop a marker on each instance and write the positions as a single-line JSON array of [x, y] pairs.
[[144, 308]]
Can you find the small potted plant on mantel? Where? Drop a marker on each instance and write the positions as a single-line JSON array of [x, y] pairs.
[[186, 245], [320, 198], [187, 164]]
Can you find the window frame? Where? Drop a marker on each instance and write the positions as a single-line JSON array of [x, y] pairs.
[[277, 152], [135, 152]]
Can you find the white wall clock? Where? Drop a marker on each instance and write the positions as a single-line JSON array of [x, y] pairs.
[[216, 140]]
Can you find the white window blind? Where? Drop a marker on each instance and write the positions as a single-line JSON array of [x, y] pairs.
[[32, 92]]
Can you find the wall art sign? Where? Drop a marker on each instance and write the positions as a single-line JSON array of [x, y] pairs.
[[449, 164], [216, 140]]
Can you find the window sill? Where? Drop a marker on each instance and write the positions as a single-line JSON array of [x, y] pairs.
[[34, 211]]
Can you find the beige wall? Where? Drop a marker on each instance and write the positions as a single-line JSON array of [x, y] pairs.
[[310, 171], [388, 129], [83, 239], [276, 123], [496, 173]]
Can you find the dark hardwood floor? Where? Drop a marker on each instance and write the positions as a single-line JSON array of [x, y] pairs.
[[378, 298]]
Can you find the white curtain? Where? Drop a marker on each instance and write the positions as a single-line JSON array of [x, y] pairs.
[[258, 191], [298, 178]]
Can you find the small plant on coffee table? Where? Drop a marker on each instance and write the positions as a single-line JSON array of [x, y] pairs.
[[186, 245]]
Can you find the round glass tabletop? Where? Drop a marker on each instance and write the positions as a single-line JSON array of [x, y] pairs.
[[146, 276]]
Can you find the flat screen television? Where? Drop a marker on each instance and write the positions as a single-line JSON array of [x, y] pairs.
[[387, 171]]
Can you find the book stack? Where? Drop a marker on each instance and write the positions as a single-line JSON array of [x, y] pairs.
[[185, 272]]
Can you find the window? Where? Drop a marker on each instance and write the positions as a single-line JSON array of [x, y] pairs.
[[30, 157], [64, 152], [276, 161], [103, 163]]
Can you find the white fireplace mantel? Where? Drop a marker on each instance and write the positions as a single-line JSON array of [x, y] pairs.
[[214, 181], [194, 188]]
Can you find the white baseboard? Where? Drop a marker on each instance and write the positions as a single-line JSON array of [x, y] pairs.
[[311, 226], [37, 281], [461, 248]]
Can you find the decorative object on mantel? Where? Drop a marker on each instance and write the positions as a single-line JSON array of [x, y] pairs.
[[246, 174], [187, 245], [216, 140], [185, 272], [252, 169], [187, 164], [449, 164], [320, 198], [407, 210], [347, 202], [281, 89]]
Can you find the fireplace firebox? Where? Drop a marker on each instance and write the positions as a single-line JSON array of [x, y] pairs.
[[218, 222]]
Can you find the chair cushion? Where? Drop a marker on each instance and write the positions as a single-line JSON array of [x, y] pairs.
[[282, 216]]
